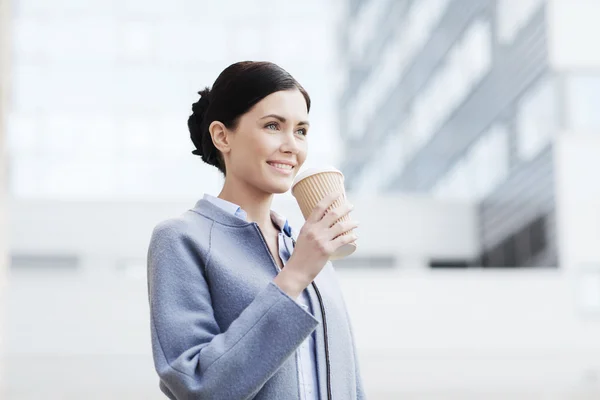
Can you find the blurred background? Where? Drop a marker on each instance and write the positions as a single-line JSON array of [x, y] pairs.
[[468, 132]]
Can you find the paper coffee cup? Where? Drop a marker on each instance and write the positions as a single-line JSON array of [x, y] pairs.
[[311, 186]]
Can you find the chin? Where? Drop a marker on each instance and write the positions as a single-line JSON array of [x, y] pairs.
[[278, 187], [277, 184]]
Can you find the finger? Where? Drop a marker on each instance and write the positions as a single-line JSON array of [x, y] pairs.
[[342, 227], [321, 208], [334, 215], [344, 239]]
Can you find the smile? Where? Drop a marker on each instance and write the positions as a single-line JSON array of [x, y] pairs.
[[283, 168]]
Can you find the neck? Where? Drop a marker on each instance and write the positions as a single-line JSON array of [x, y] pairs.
[[256, 203]]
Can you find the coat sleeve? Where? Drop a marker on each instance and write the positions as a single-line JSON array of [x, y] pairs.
[[192, 357]]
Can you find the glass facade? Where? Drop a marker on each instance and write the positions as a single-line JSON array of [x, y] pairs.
[[513, 16], [461, 102], [537, 118], [102, 90], [484, 166]]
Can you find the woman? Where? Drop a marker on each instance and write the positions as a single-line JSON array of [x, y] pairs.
[[228, 320]]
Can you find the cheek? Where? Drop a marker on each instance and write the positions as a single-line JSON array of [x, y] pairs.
[[253, 145], [264, 145], [303, 153]]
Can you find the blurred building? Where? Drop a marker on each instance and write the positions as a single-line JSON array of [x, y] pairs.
[[102, 90], [463, 99]]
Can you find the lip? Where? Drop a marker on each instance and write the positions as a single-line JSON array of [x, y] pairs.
[[282, 171], [282, 162]]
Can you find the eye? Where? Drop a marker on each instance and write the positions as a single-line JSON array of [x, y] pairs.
[[302, 131], [272, 126]]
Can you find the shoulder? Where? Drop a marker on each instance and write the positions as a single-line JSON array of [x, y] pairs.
[[188, 226]]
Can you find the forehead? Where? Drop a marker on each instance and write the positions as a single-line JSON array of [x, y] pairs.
[[286, 103]]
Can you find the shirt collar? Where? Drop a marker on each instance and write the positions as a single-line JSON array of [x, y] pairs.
[[281, 223], [223, 204]]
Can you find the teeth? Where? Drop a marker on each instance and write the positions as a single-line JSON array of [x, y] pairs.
[[282, 166]]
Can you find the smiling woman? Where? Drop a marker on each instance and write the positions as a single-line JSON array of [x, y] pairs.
[[234, 300]]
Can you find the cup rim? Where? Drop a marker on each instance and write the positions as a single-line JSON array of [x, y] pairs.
[[314, 171]]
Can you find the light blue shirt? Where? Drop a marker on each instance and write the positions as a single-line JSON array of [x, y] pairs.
[[306, 360]]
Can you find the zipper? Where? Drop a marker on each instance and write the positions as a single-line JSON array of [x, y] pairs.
[[327, 363], [266, 246], [326, 341]]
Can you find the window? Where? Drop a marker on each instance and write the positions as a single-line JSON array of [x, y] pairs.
[[422, 18], [520, 248], [375, 261], [467, 63], [513, 15], [365, 26], [457, 184], [489, 160], [408, 38], [449, 264], [537, 236], [483, 167], [43, 262], [385, 166], [536, 119], [476, 52], [583, 99]]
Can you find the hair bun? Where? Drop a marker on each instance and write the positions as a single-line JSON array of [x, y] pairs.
[[195, 121]]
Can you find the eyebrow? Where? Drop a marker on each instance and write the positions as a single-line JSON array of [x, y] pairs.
[[283, 120]]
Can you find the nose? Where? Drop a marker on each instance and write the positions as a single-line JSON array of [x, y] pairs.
[[289, 143]]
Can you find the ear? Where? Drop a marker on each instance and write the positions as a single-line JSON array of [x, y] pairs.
[[220, 136]]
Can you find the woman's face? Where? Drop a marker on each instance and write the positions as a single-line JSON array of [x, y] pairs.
[[269, 144]]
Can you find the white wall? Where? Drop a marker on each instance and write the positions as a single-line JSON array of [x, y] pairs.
[[410, 227], [578, 215], [479, 331], [421, 333]]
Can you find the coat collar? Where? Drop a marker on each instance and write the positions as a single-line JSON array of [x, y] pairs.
[[225, 214], [218, 214]]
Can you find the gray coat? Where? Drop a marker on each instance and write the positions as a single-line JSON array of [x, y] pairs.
[[222, 330]]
